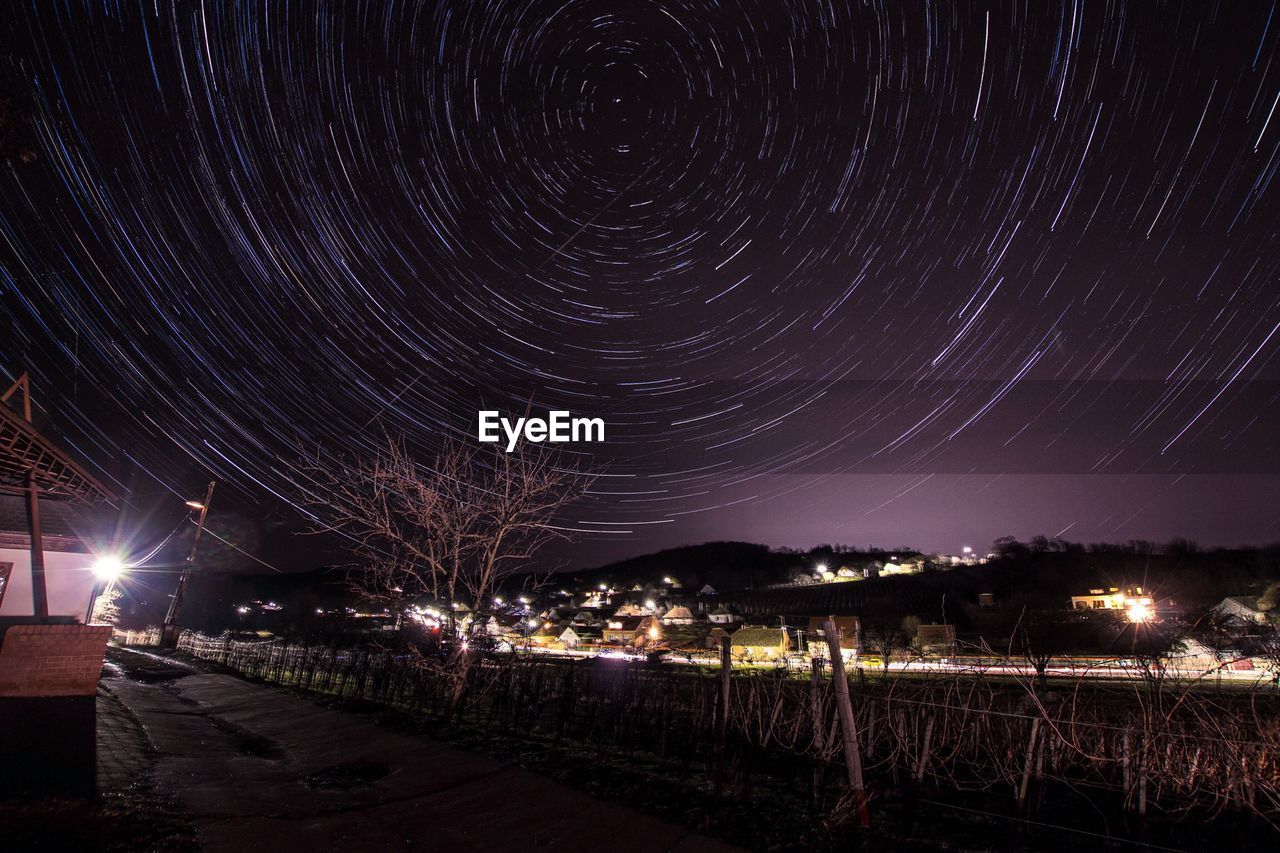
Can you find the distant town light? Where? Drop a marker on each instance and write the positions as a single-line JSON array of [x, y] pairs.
[[497, 601], [967, 550], [822, 567]]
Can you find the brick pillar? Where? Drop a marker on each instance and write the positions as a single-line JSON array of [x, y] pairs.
[[48, 682]]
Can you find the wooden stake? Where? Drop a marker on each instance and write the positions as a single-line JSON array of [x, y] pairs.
[[1128, 775], [848, 724], [722, 713], [924, 750], [819, 729], [1026, 767]]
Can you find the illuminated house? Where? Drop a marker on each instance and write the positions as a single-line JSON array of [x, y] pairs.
[[574, 637], [678, 615], [1111, 598], [1136, 605], [906, 567], [760, 644], [849, 633], [621, 630], [546, 636], [722, 616], [648, 631]]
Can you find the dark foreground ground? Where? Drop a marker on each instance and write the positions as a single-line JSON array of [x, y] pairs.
[[191, 760]]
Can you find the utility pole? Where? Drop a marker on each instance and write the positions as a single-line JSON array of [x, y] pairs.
[[169, 631]]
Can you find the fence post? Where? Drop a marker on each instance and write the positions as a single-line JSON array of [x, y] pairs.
[[924, 750], [848, 725], [1128, 775], [722, 712], [1026, 768], [819, 728]]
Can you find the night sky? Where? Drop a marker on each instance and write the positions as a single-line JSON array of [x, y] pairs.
[[870, 273]]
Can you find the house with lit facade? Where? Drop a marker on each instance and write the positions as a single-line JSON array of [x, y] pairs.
[[1132, 600]]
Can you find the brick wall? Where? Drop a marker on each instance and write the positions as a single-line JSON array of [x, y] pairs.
[[52, 660]]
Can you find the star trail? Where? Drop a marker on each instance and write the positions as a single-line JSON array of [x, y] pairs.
[[871, 272]]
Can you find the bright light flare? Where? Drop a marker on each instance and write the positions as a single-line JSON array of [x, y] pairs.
[[108, 568], [1139, 610]]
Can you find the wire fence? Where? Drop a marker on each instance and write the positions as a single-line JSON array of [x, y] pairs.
[[1145, 747]]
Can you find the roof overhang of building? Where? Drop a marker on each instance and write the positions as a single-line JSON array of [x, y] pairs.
[[24, 450]]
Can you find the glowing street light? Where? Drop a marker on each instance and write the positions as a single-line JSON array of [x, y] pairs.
[[1139, 610], [108, 568]]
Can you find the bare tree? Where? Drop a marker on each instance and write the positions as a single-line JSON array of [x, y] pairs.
[[451, 532], [884, 636], [106, 607], [1221, 635], [1265, 647]]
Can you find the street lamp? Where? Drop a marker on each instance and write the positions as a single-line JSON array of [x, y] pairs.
[[107, 569], [169, 631]]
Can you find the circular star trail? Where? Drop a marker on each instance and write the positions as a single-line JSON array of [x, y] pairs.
[[826, 269]]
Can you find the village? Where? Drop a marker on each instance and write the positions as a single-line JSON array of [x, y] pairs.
[[1098, 631]]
